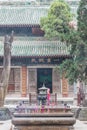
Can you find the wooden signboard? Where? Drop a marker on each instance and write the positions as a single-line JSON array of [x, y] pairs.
[[24, 81], [64, 87]]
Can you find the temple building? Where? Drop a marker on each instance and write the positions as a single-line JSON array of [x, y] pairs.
[[34, 58]]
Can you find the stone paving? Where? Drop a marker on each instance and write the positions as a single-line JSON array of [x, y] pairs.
[[5, 125], [80, 125]]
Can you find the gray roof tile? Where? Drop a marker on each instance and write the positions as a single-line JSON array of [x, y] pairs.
[[21, 15], [37, 48]]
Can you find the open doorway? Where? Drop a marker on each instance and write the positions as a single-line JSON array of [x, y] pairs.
[[44, 76]]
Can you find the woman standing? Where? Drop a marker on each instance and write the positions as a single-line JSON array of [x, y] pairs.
[[48, 96]]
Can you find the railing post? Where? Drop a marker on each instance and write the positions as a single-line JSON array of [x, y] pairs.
[[55, 98], [30, 98]]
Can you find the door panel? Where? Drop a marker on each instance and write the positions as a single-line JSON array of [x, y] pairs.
[[44, 76]]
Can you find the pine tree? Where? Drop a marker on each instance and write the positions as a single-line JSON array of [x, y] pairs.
[[82, 30], [82, 20], [76, 68]]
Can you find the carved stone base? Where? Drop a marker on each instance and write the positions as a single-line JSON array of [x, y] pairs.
[[43, 128], [43, 121]]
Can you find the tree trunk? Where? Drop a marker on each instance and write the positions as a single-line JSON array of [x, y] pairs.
[[6, 67]]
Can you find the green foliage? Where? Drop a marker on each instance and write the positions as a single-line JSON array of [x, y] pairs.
[[71, 69], [56, 24], [82, 19], [76, 68]]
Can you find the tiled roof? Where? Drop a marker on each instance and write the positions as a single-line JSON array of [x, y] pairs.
[[37, 48], [25, 15]]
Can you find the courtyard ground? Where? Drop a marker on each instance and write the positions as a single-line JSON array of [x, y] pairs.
[[5, 125], [79, 125]]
